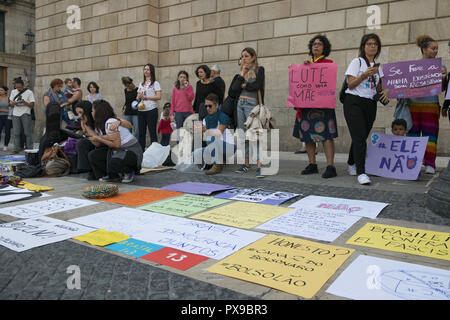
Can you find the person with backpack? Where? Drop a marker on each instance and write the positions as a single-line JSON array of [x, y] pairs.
[[22, 101], [360, 105]]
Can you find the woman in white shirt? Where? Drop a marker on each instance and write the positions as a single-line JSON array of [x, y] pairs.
[[360, 105], [124, 156], [149, 93]]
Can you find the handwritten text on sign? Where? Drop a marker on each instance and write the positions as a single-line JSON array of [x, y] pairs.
[[412, 79], [395, 157], [288, 264], [312, 86]]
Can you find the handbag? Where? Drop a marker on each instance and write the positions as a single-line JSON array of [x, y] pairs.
[[402, 112], [227, 107], [342, 93]]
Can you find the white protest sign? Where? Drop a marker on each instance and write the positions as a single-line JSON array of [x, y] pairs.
[[370, 278], [368, 209], [42, 208], [27, 234], [202, 238], [314, 224]]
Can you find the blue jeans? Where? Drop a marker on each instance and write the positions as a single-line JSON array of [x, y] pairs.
[[134, 120], [244, 108], [180, 117], [22, 123]]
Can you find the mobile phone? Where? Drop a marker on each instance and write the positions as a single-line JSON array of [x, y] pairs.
[[376, 65]]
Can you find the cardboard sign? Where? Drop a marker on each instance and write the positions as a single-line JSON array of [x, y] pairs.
[[413, 79], [134, 247], [102, 237], [257, 195], [241, 214], [177, 259], [31, 233], [395, 157], [370, 278], [312, 86], [141, 197], [184, 205], [425, 243], [196, 188], [288, 264]]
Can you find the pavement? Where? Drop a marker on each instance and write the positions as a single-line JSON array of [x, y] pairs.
[[41, 273]]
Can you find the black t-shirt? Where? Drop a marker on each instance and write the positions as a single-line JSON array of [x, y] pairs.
[[202, 90], [130, 96], [219, 88]]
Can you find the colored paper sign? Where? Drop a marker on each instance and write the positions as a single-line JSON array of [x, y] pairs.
[[425, 243], [196, 188], [177, 259], [241, 214], [102, 237], [134, 247], [184, 205], [206, 239], [31, 233], [41, 208], [288, 264], [257, 195], [395, 157], [360, 208], [312, 85], [413, 79], [141, 197], [370, 278], [314, 224]]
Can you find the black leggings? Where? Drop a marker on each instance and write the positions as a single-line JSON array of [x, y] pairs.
[[98, 161], [147, 119], [360, 114]]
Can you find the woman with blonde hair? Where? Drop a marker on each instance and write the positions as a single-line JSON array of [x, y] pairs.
[[246, 86], [425, 111]]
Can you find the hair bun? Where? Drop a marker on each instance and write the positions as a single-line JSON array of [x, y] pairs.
[[422, 40]]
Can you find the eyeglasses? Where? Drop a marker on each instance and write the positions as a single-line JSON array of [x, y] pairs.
[[372, 44], [209, 106], [317, 44]]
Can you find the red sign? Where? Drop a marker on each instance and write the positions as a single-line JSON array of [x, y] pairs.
[[174, 258]]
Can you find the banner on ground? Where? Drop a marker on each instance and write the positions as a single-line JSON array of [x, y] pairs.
[[395, 157], [413, 79], [312, 85], [257, 195]]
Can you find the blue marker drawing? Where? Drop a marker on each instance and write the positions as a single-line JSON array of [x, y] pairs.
[[416, 285]]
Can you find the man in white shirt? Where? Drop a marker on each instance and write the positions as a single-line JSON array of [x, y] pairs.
[[22, 101]]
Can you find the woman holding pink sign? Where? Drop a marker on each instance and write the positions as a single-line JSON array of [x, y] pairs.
[[425, 111], [319, 124]]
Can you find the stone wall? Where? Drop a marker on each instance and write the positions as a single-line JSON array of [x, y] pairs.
[[118, 37]]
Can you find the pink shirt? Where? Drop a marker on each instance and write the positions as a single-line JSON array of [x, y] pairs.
[[182, 100]]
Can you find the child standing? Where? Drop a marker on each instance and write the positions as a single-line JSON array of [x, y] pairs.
[[399, 127], [164, 126]]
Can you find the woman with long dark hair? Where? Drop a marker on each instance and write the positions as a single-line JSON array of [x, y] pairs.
[[149, 93], [53, 133], [181, 101], [124, 155], [360, 106]]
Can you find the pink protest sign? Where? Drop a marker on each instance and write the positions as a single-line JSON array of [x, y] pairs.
[[312, 86]]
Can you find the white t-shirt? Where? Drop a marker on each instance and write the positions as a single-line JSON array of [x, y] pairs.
[[366, 89], [125, 135], [21, 109], [149, 91]]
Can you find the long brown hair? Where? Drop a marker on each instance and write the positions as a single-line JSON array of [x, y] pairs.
[[152, 74], [103, 112], [254, 70]]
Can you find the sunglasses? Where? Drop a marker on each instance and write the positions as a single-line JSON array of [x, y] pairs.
[[209, 105]]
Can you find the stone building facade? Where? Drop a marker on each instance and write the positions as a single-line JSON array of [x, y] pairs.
[[117, 38], [17, 18]]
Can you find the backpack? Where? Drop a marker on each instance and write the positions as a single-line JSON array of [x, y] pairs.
[[342, 93], [56, 162]]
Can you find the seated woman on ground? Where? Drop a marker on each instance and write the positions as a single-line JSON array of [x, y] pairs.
[[123, 156]]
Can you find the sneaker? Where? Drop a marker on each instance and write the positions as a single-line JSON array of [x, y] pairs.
[[300, 152], [128, 177], [352, 170], [216, 168], [259, 175], [430, 170], [5, 148], [310, 169], [109, 179], [364, 179], [242, 169], [330, 172]]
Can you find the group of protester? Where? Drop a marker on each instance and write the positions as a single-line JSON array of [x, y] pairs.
[[110, 148]]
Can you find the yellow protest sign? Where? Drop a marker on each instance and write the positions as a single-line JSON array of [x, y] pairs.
[[293, 265], [102, 237], [242, 215], [424, 243]]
